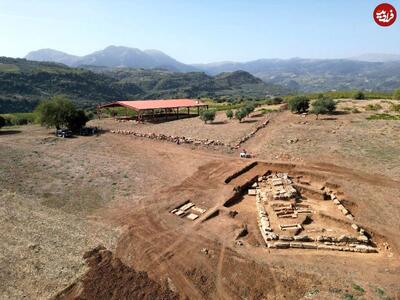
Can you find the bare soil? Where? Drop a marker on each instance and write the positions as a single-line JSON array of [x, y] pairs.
[[61, 198]]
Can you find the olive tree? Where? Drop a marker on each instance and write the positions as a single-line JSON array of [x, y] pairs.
[[208, 115], [240, 114], [323, 105], [299, 104], [229, 114], [59, 112]]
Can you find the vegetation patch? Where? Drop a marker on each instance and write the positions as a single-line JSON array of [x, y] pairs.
[[373, 107], [358, 288], [384, 117]]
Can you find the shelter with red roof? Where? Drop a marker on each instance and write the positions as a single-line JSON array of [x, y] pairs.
[[156, 108]]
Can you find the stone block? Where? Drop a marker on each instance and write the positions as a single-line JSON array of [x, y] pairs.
[[252, 192], [309, 246], [192, 216], [345, 211], [285, 238], [303, 238], [296, 245], [363, 239], [282, 245]]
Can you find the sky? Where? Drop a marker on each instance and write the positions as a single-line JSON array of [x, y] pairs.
[[199, 31]]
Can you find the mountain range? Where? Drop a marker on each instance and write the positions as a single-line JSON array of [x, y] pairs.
[[380, 72], [113, 56]]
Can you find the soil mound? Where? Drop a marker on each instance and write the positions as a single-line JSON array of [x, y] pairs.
[[108, 278]]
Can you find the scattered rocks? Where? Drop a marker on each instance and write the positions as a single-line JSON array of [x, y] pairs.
[[239, 243], [292, 141], [232, 213]]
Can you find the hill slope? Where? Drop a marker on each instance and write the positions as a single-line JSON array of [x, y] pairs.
[[167, 84], [24, 83], [310, 75]]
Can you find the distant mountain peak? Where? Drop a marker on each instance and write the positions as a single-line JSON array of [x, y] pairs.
[[114, 56]]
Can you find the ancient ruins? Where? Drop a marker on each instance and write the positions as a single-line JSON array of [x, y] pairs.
[[288, 219], [188, 210]]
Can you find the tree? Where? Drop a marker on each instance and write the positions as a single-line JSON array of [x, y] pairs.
[[299, 104], [2, 121], [396, 94], [359, 95], [324, 105], [59, 112], [208, 115], [248, 108], [240, 114], [77, 120], [229, 114]]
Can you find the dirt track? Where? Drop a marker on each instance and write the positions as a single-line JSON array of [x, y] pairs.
[[116, 186]]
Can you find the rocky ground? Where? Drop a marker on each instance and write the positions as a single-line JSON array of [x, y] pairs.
[[61, 198]]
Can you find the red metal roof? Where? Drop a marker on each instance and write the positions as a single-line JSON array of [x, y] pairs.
[[156, 104]]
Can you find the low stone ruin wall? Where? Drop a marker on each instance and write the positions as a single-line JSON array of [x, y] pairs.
[[171, 138], [189, 140], [252, 133]]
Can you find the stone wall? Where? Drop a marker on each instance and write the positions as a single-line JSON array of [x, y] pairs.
[[188, 140]]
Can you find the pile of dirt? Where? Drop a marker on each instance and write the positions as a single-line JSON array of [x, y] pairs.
[[108, 278]]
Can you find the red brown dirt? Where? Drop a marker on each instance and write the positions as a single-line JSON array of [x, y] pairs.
[[108, 278], [128, 186]]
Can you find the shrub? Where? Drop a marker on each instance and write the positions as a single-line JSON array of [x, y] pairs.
[[208, 115], [355, 110], [229, 114], [248, 108], [275, 100], [323, 105], [395, 107], [359, 95], [240, 114], [299, 104], [2, 122], [373, 107], [90, 115], [396, 94], [384, 117]]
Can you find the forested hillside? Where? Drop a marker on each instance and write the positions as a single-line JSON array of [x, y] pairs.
[[24, 83]]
